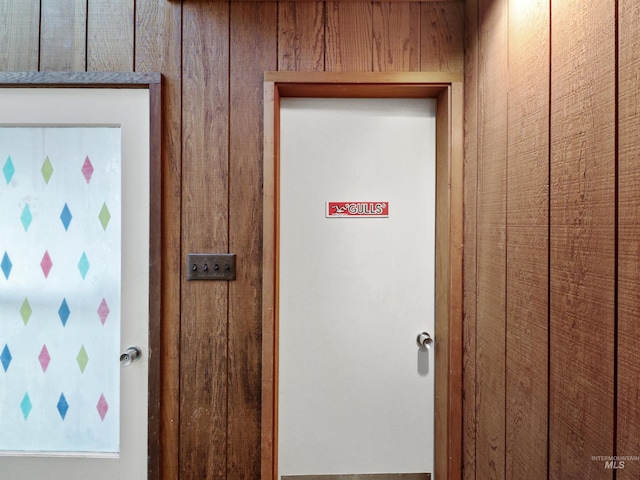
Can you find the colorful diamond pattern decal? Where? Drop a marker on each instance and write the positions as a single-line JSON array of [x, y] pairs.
[[62, 406], [103, 311], [46, 264], [102, 407], [87, 169], [8, 170], [65, 216], [25, 406], [27, 253], [5, 357], [25, 311], [6, 265], [44, 358], [82, 359], [83, 265], [104, 216], [26, 217], [64, 312], [47, 170]]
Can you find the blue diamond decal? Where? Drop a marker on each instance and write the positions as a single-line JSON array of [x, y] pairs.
[[26, 217], [66, 216], [6, 265], [63, 406], [8, 170], [25, 405], [5, 357], [63, 312], [83, 265]]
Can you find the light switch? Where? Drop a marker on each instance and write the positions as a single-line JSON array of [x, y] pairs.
[[211, 266]]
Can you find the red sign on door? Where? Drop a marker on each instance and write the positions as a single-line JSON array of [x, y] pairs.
[[357, 209]]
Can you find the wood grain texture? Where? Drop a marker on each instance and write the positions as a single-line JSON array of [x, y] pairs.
[[491, 238], [470, 240], [110, 30], [253, 51], [396, 37], [158, 33], [205, 180], [582, 238], [527, 246], [628, 413], [349, 28], [301, 36], [442, 37], [63, 41], [19, 35]]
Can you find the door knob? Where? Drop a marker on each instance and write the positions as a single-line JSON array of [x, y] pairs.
[[424, 340], [130, 355]]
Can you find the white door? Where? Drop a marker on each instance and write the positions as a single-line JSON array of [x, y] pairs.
[[356, 392], [74, 256]]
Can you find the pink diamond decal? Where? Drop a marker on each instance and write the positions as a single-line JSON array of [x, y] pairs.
[[46, 264], [102, 407], [103, 311], [44, 358], [87, 169]]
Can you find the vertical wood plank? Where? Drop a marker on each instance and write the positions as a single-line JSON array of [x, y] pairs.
[[19, 35], [527, 247], [491, 238], [301, 36], [254, 36], [628, 421], [205, 172], [396, 37], [442, 37], [470, 240], [63, 35], [582, 238], [349, 37], [158, 34], [110, 35]]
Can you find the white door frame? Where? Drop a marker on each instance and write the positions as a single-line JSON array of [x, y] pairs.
[[152, 82], [447, 88]]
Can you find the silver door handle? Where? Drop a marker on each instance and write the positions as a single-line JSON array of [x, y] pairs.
[[424, 340], [130, 355]]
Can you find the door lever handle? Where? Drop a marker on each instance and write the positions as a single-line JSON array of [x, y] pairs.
[[424, 340], [130, 355]]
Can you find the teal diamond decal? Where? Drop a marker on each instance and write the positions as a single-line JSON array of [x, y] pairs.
[[8, 170], [83, 265], [26, 217], [25, 405]]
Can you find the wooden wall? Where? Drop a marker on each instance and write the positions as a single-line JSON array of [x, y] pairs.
[[552, 239], [212, 56]]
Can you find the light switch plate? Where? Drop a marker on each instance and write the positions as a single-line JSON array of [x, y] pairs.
[[211, 266]]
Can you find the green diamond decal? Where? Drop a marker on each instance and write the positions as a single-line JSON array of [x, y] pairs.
[[47, 170], [25, 311], [82, 359], [104, 216]]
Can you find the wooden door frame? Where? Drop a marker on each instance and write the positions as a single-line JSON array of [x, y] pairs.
[[447, 89]]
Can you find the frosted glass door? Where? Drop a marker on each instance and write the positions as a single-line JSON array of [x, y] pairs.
[[74, 283]]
